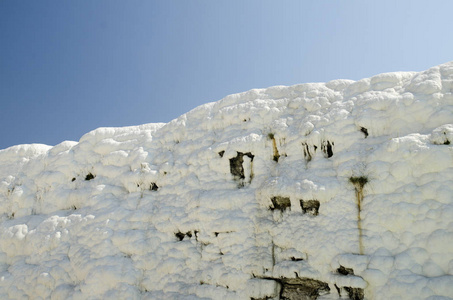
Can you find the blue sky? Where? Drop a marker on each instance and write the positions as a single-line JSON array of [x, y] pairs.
[[68, 67]]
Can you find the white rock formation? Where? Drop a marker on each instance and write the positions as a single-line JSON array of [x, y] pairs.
[[256, 196]]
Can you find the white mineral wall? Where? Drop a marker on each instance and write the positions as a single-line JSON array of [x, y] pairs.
[[184, 210]]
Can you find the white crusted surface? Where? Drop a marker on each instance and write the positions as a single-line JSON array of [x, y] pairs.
[[64, 237]]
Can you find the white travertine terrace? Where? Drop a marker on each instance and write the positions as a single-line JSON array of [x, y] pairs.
[[250, 197]]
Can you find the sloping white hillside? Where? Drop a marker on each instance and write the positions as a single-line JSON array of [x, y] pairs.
[[303, 192]]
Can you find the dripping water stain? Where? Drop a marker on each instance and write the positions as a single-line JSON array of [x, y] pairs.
[[359, 183]]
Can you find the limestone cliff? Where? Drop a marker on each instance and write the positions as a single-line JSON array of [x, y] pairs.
[[313, 191]]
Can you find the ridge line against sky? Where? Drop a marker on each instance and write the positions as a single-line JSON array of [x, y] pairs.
[[67, 68]]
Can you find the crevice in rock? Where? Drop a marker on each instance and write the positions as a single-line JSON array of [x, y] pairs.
[[345, 271], [281, 203], [296, 258], [310, 207], [338, 290], [353, 293], [181, 235], [153, 187], [273, 255], [218, 232], [307, 154], [237, 168], [364, 131], [327, 148], [445, 139], [89, 176], [300, 288], [276, 155]]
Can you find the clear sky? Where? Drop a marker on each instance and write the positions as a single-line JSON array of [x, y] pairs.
[[68, 67]]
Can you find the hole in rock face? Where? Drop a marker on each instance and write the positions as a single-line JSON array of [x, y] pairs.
[[310, 207], [302, 289], [221, 153], [365, 131], [153, 187], [443, 141], [359, 182], [73, 179], [353, 293], [447, 141], [296, 258], [237, 167], [181, 235], [276, 155], [345, 271], [281, 203], [327, 148], [307, 154], [89, 176]]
